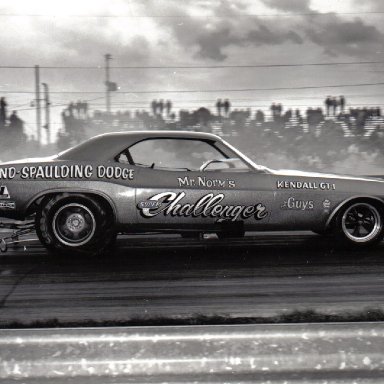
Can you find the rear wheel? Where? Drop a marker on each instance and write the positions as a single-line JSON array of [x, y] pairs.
[[75, 223], [360, 224]]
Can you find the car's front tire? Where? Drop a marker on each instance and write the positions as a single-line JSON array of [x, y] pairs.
[[360, 224], [75, 223]]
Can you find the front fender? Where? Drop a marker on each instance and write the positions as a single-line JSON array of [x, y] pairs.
[[349, 200]]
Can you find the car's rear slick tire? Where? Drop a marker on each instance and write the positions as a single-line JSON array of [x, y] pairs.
[[360, 224], [75, 224]]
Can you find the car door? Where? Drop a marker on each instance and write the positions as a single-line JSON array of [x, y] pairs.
[[195, 199], [177, 187]]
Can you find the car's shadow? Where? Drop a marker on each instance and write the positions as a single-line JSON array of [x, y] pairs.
[[172, 254]]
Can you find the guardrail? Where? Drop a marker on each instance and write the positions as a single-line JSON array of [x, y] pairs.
[[298, 353]]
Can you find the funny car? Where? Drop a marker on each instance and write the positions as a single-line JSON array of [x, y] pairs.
[[179, 182]]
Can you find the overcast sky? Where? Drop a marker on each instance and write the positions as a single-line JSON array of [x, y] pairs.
[[192, 33]]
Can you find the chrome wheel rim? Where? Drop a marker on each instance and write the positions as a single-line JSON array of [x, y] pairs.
[[361, 222], [74, 224]]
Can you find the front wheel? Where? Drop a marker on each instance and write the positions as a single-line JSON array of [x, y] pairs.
[[360, 224], [75, 223]]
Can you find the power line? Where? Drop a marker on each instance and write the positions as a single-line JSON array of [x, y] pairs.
[[246, 99], [184, 16], [212, 90], [214, 100], [253, 99], [280, 65], [59, 105], [234, 103]]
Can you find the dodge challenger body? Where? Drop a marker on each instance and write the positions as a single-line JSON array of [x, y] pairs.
[[179, 182]]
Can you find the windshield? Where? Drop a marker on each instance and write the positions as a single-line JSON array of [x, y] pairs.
[[179, 153], [246, 159]]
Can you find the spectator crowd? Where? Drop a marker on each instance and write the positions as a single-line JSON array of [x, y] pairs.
[[314, 138]]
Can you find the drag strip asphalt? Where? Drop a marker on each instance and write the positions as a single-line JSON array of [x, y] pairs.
[[166, 276]]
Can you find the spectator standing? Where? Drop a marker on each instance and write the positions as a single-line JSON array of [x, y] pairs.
[[154, 107], [273, 110], [298, 116], [279, 109], [219, 105], [288, 115], [86, 106], [227, 107], [13, 119], [328, 104], [15, 122], [168, 107], [342, 103], [309, 114], [334, 105], [161, 106], [78, 107], [71, 107], [260, 116], [3, 112]]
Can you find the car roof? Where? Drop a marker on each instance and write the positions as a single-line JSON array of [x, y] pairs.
[[106, 146]]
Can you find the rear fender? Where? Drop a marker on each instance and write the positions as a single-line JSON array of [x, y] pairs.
[[41, 195]]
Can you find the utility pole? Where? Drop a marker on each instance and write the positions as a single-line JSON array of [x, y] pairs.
[[47, 111], [108, 58], [37, 98]]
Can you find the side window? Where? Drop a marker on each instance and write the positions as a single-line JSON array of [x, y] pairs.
[[173, 154], [122, 158]]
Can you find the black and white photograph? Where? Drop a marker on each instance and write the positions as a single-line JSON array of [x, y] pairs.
[[192, 191]]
